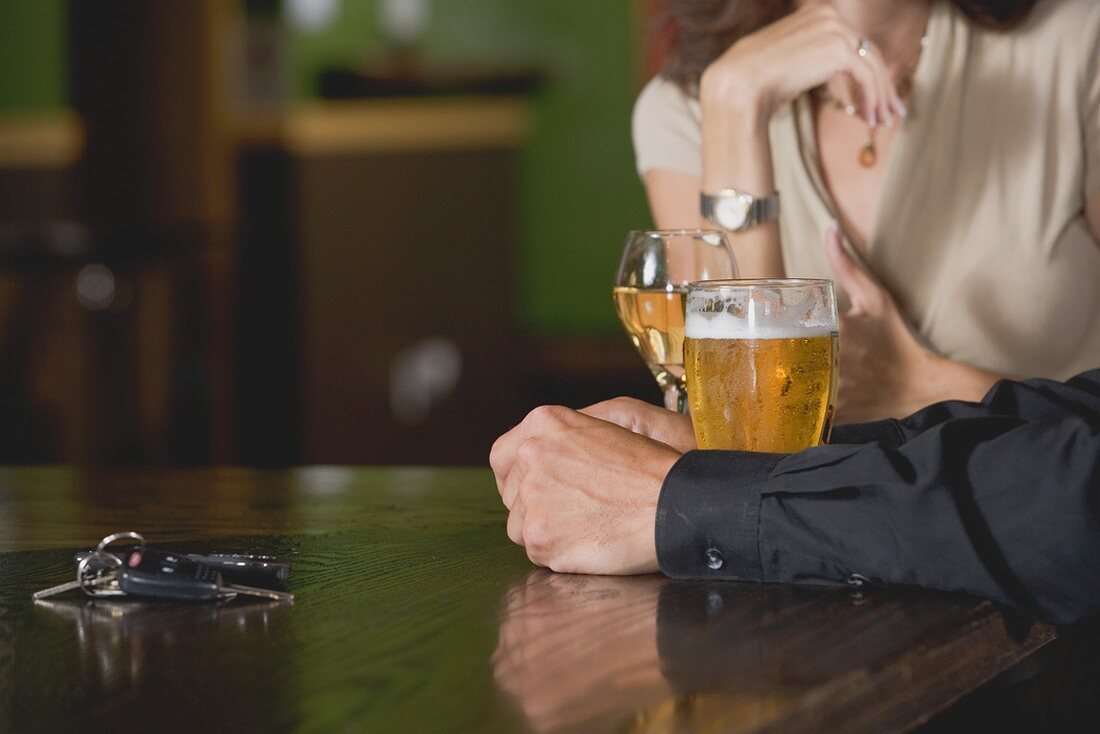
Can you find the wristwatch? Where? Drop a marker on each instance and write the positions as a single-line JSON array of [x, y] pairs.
[[735, 211]]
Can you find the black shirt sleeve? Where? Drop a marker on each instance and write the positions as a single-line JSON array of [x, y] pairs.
[[999, 498]]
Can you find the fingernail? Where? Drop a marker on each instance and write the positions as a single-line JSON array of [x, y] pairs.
[[903, 110], [873, 122]]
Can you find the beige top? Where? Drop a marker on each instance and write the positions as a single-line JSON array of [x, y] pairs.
[[980, 232]]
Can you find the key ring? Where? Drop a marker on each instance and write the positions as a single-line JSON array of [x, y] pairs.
[[110, 561], [86, 579], [125, 535]]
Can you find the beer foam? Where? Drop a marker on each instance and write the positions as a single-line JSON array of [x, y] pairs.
[[725, 326]]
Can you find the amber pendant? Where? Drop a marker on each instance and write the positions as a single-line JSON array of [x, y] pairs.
[[868, 156]]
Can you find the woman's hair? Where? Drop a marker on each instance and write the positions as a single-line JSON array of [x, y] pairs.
[[702, 30]]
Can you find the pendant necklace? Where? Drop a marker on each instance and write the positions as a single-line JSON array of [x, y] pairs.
[[868, 153]]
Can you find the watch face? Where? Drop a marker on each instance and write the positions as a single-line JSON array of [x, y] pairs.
[[730, 212]]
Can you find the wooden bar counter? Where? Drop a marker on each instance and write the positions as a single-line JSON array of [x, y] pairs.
[[415, 613]]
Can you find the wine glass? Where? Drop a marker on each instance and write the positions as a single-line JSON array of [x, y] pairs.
[[649, 293]]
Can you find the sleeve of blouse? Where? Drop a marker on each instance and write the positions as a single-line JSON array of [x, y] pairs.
[[666, 130]]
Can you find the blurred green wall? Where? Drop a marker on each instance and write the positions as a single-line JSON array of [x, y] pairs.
[[579, 191], [32, 55], [580, 194]]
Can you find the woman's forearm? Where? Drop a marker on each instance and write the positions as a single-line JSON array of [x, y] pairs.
[[944, 379], [737, 155]]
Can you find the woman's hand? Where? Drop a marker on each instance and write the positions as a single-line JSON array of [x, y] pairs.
[[796, 54], [581, 492], [884, 371], [739, 92]]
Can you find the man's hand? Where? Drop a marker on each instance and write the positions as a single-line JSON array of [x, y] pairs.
[[581, 492], [638, 416]]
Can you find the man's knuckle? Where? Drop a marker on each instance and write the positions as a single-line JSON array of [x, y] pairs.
[[622, 406], [536, 539], [496, 458], [537, 416], [534, 556], [534, 530], [530, 452], [515, 527], [547, 415]]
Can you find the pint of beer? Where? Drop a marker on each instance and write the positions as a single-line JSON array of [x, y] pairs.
[[761, 363]]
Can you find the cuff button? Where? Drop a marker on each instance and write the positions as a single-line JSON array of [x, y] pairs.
[[714, 559]]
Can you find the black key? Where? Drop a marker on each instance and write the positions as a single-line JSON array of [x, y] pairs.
[[171, 576], [245, 569], [236, 568]]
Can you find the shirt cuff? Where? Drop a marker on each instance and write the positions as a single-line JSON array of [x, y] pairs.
[[708, 515]]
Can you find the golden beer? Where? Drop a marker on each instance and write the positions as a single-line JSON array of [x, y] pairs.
[[654, 319], [770, 395]]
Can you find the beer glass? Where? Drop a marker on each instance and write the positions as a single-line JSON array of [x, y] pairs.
[[761, 362], [649, 295]]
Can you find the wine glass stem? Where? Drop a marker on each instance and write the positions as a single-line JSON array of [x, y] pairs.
[[676, 399]]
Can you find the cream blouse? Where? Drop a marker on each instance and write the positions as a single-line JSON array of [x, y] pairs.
[[980, 232]]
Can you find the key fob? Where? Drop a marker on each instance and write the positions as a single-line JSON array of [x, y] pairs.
[[154, 574], [244, 569]]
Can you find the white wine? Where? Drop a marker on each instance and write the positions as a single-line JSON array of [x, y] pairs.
[[654, 319]]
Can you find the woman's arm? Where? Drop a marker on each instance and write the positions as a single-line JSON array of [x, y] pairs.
[[674, 199], [737, 155], [732, 158], [739, 92]]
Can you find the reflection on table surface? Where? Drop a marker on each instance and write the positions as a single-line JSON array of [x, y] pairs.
[[413, 612], [580, 652], [653, 655], [122, 641]]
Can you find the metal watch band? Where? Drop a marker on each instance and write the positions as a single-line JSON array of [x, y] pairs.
[[763, 211], [758, 210]]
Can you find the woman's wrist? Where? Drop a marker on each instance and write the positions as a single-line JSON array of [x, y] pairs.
[[726, 90], [736, 149], [946, 379]]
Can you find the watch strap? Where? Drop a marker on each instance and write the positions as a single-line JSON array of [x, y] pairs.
[[758, 210], [762, 211]]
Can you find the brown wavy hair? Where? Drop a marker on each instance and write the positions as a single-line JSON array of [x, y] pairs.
[[699, 31]]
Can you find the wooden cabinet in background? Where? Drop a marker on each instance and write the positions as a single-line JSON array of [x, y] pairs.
[[377, 306]]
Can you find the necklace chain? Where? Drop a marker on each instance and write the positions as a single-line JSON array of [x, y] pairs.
[[868, 153]]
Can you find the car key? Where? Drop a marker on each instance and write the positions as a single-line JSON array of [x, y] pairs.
[[245, 569], [167, 575], [235, 568], [107, 582], [159, 575], [96, 575]]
